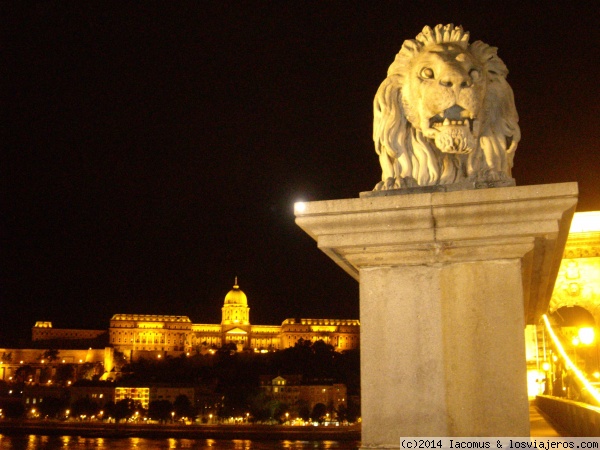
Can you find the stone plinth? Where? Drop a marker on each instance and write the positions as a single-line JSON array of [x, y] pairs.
[[447, 283]]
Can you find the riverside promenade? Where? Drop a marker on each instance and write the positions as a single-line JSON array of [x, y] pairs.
[[540, 427]]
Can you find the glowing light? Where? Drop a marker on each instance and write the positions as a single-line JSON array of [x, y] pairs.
[[586, 335], [585, 222], [591, 389], [546, 366], [299, 207]]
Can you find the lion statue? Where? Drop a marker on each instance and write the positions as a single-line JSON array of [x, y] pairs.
[[445, 113]]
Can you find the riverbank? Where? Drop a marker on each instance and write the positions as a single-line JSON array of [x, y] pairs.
[[155, 431]]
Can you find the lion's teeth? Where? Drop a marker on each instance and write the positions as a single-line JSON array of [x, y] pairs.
[[446, 122], [454, 122]]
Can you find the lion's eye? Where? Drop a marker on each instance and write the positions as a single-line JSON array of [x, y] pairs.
[[426, 73], [475, 74]]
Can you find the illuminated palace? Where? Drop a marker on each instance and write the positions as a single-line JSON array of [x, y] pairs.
[[139, 335]]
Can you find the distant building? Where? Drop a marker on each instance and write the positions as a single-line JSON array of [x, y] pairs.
[[147, 393], [34, 395], [156, 336], [43, 331], [293, 391], [140, 335], [102, 393]]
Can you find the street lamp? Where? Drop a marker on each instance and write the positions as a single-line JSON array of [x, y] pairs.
[[586, 335], [172, 416], [547, 381]]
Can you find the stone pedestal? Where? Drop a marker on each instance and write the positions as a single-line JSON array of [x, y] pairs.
[[447, 283]]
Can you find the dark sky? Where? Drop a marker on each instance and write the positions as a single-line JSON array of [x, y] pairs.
[[153, 150]]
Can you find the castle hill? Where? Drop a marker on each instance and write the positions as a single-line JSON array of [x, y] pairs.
[[161, 368]]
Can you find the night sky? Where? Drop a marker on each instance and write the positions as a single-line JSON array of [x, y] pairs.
[[152, 151]]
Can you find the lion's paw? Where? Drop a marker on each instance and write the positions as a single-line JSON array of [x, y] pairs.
[[396, 183]]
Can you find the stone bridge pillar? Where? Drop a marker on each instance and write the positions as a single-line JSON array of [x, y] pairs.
[[448, 281]]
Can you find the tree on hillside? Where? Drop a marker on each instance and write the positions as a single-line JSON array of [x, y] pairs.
[[12, 409], [121, 409], [64, 374], [24, 373], [183, 407], [89, 371], [84, 407], [50, 355], [303, 410], [318, 413], [160, 410], [52, 407]]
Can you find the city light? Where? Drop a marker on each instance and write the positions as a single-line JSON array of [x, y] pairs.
[[591, 389], [585, 222], [586, 335], [299, 207]]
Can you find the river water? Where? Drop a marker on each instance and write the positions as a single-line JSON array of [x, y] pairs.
[[35, 442]]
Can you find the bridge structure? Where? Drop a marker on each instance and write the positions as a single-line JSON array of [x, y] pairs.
[[563, 348], [456, 277]]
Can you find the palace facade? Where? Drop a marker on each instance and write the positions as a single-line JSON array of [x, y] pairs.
[[143, 335]]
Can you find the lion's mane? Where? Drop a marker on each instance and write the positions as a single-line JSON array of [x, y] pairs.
[[409, 158]]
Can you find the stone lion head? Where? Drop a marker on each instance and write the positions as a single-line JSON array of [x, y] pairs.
[[445, 113]]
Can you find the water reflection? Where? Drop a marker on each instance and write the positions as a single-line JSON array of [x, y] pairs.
[[34, 442]]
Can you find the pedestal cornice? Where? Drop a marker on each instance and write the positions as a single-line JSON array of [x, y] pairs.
[[526, 222]]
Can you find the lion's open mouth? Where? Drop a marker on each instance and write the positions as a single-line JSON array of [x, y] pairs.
[[455, 116], [455, 130]]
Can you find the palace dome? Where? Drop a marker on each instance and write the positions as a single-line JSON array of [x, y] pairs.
[[236, 296]]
